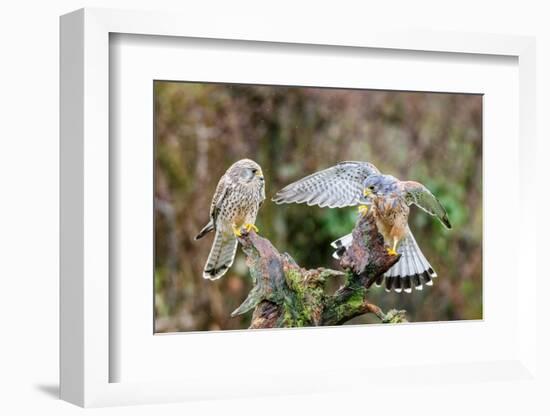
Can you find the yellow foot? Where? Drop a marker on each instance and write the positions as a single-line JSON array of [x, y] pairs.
[[236, 230], [363, 209], [249, 227], [245, 228], [391, 251]]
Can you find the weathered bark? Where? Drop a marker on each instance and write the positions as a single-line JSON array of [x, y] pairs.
[[287, 295]]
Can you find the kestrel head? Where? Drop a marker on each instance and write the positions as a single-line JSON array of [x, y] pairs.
[[376, 185], [246, 171]]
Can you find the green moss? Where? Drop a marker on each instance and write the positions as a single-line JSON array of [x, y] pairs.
[[294, 280], [356, 300], [305, 299], [394, 317]]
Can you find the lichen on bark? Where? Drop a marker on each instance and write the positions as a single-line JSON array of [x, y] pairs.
[[286, 295]]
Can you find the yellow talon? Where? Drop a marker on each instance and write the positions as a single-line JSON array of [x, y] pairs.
[[363, 209], [236, 230], [246, 227], [251, 227], [391, 251]]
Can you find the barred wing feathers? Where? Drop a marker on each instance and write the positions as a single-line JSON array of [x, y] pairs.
[[335, 187], [418, 194]]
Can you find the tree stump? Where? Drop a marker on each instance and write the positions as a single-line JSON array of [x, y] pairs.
[[286, 295]]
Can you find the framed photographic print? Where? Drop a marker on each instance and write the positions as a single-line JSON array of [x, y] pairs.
[[274, 207]]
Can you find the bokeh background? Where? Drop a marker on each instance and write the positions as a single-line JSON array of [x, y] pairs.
[[201, 129]]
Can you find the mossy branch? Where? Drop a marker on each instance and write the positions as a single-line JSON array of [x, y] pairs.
[[287, 295]]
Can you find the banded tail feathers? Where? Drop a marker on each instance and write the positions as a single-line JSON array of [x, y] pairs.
[[412, 269], [221, 257]]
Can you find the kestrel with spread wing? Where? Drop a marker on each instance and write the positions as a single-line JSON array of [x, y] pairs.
[[238, 197], [362, 184]]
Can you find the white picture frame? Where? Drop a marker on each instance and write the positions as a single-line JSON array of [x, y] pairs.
[[86, 354]]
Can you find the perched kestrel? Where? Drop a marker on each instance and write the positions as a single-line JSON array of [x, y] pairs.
[[239, 195], [361, 183]]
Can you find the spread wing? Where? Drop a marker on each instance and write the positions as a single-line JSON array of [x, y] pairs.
[[418, 194], [338, 186]]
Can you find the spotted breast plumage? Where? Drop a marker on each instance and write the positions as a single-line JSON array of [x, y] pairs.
[[361, 184], [238, 197]]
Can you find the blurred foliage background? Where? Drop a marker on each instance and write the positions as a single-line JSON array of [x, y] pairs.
[[201, 129]]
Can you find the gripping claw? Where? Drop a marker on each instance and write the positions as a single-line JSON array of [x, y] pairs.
[[250, 226], [236, 230], [363, 209]]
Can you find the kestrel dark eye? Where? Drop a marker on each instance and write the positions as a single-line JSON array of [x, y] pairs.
[[254, 171], [371, 187]]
